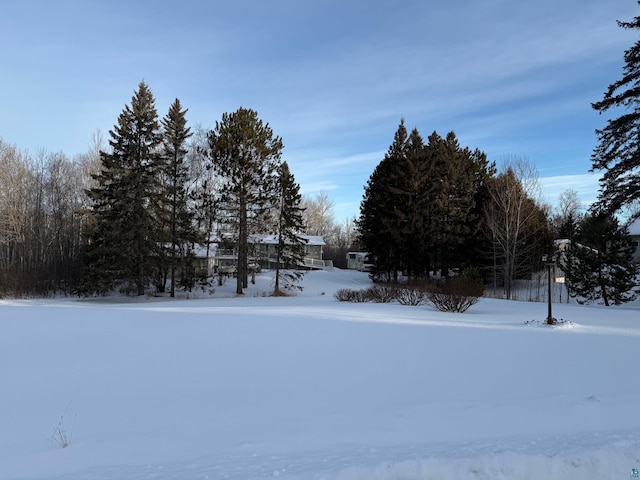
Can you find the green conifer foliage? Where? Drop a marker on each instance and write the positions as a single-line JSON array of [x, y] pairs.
[[124, 242], [422, 204], [618, 143], [289, 225], [415, 195], [178, 217], [600, 263], [244, 152], [380, 220], [462, 176]]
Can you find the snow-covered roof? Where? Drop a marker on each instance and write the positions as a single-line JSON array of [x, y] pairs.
[[273, 239], [200, 250]]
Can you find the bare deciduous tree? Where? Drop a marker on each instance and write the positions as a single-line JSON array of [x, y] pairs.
[[567, 214], [41, 225], [515, 222], [318, 216]]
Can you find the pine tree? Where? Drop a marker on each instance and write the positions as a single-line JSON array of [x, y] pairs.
[[378, 224], [465, 249], [125, 240], [600, 264], [462, 178], [179, 218], [416, 184], [617, 150], [423, 204], [289, 225], [440, 187], [244, 152]]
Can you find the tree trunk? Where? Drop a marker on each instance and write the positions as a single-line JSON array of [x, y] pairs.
[[241, 273]]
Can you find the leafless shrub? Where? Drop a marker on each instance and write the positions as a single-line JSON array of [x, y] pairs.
[[355, 296], [376, 293], [412, 296], [60, 436], [457, 294], [383, 293]]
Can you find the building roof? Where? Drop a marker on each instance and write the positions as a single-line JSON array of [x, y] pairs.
[[201, 250], [273, 239]]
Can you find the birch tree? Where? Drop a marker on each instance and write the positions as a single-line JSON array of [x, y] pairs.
[[515, 223]]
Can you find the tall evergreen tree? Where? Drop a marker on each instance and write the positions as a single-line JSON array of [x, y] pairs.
[[469, 244], [125, 239], [423, 204], [289, 225], [600, 264], [415, 184], [457, 179], [378, 224], [178, 216], [244, 152], [617, 152]]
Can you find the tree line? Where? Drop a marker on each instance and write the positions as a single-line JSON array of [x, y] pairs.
[[433, 206], [434, 209], [43, 222], [132, 215]]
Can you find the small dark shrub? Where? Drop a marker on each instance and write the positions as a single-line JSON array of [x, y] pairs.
[[383, 293], [376, 293], [457, 294], [412, 296], [343, 295], [355, 296]]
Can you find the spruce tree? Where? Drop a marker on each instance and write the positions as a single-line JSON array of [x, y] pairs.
[[415, 185], [180, 231], [423, 204], [244, 152], [600, 264], [379, 222], [618, 142], [124, 241], [288, 226], [470, 243], [460, 176]]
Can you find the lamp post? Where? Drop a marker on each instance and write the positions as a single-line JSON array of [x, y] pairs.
[[549, 261]]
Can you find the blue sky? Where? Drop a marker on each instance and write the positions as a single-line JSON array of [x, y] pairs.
[[332, 78]]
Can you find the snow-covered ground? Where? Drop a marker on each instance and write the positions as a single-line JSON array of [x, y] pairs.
[[306, 387]]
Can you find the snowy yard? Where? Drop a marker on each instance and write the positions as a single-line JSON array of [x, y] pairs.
[[309, 388]]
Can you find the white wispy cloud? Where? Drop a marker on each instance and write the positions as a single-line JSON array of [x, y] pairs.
[[333, 77], [586, 185]]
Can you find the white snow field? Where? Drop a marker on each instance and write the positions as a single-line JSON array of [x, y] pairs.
[[306, 387]]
